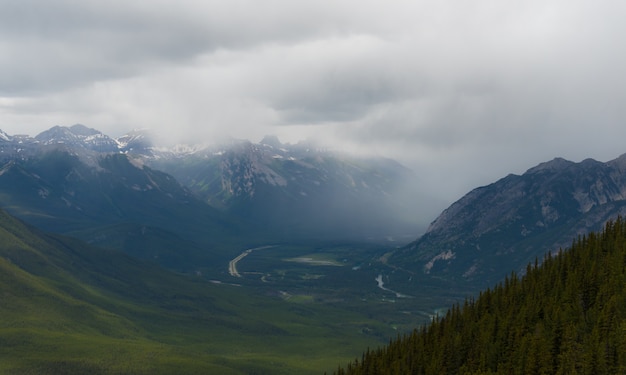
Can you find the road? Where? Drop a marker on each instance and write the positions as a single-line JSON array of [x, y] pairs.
[[232, 265]]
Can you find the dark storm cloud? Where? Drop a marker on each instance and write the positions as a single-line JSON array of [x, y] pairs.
[[53, 45], [342, 86], [463, 92], [50, 45]]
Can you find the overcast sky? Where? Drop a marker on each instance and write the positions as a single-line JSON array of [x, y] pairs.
[[463, 92]]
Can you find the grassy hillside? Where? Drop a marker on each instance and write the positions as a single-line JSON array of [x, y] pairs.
[[68, 308], [566, 316]]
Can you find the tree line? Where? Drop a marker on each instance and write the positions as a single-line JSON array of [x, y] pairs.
[[566, 315]]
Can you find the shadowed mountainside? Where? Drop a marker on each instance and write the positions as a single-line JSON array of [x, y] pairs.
[[503, 226]]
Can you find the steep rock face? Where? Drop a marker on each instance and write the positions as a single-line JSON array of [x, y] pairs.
[[136, 141], [78, 140], [57, 191], [77, 180], [243, 168], [499, 228], [112, 200], [297, 190]]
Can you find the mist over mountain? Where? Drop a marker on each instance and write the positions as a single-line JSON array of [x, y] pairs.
[[200, 209], [113, 194], [72, 179], [76, 181], [501, 227], [299, 190]]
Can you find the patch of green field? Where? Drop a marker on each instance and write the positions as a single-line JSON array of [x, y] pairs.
[[300, 298], [316, 260], [352, 287]]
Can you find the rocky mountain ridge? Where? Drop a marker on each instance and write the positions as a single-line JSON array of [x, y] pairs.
[[291, 190], [499, 228], [297, 188]]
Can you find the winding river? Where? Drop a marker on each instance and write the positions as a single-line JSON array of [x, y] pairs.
[[381, 285]]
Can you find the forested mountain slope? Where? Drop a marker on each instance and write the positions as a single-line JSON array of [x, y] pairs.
[[565, 316]]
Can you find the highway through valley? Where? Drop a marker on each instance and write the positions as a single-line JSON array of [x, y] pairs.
[[232, 265]]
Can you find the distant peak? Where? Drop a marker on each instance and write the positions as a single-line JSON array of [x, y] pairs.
[[620, 162], [82, 130], [145, 135], [74, 131], [271, 140], [137, 139], [140, 132], [4, 136], [54, 132], [78, 136], [552, 165]]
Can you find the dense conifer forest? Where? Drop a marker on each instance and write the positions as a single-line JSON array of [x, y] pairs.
[[564, 316]]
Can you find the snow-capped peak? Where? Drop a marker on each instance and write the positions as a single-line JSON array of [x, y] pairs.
[[4, 136], [78, 135], [187, 149], [136, 140]]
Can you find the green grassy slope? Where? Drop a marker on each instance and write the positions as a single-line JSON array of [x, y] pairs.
[[67, 308]]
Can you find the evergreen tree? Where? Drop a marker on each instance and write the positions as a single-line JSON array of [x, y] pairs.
[[566, 315]]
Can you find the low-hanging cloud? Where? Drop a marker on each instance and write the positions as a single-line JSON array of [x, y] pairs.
[[462, 92]]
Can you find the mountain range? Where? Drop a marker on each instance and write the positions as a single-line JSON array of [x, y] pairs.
[[132, 194], [61, 181], [194, 208], [501, 227], [190, 208], [296, 190], [290, 191]]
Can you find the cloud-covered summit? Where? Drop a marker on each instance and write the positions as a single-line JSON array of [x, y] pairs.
[[464, 92]]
